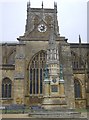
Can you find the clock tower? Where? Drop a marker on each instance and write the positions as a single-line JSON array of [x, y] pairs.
[[47, 53], [39, 21]]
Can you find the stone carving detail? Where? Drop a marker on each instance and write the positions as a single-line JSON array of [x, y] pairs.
[[46, 72]]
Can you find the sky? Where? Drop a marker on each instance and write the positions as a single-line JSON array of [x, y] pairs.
[[72, 18]]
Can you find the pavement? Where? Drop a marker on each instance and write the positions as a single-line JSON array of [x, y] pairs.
[[14, 116], [26, 117]]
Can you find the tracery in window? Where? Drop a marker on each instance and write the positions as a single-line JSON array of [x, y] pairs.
[[36, 69], [6, 88], [76, 62]]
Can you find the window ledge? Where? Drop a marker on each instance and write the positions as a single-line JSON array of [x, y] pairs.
[[6, 98], [79, 99], [37, 95]]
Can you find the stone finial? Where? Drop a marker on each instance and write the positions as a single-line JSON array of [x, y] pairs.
[[79, 39], [55, 6], [42, 4], [52, 37], [28, 4]]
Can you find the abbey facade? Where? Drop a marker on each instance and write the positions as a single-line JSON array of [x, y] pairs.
[[23, 64]]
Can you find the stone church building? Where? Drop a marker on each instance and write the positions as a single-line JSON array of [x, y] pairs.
[[26, 64]]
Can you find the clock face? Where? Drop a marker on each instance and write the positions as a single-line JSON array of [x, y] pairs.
[[42, 28]]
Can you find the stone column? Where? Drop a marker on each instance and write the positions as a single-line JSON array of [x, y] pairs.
[[46, 88], [68, 75], [19, 78]]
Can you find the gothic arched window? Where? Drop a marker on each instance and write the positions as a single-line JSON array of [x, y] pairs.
[[48, 19], [36, 20], [36, 69], [77, 88], [75, 61], [6, 88], [11, 57]]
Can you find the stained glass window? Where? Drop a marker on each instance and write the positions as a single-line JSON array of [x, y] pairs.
[[36, 68]]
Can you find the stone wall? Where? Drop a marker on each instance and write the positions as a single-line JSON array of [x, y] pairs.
[[28, 50]]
